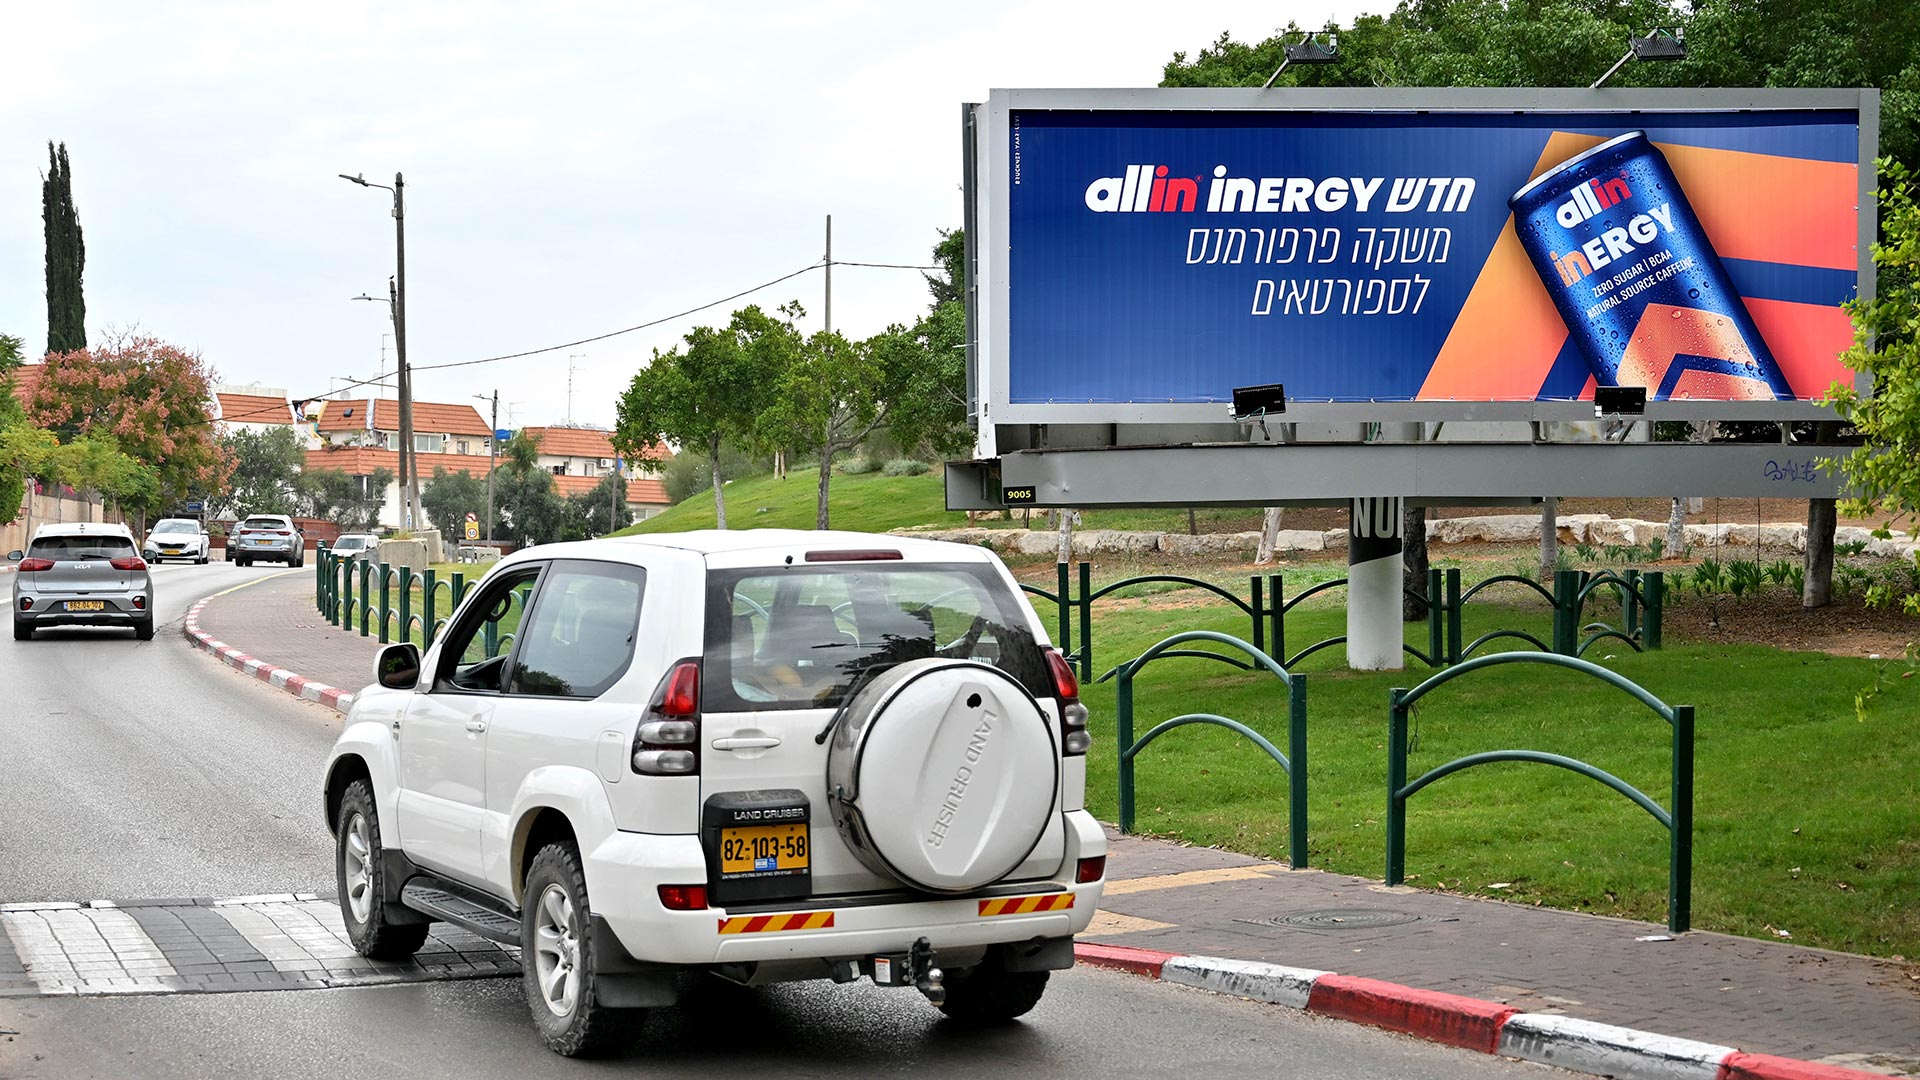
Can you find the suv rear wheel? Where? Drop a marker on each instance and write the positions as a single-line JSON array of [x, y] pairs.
[[362, 883], [556, 958], [989, 994]]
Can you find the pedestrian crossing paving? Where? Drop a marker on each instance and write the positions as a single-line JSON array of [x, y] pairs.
[[205, 945]]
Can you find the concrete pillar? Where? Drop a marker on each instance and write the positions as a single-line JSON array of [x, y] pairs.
[[1374, 570]]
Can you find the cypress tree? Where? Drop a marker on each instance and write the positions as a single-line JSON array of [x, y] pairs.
[[66, 256]]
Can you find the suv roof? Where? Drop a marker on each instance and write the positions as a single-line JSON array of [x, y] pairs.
[[83, 528], [717, 541]]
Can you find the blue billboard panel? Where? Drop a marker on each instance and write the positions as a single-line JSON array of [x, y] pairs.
[[1161, 256]]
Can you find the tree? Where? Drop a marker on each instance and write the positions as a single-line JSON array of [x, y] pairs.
[[714, 388], [598, 512], [266, 472], [66, 256], [1884, 474], [524, 494], [449, 497], [833, 395], [351, 502], [929, 405], [13, 482], [151, 397]]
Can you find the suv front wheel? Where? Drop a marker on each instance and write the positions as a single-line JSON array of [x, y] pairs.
[[362, 882], [556, 958]]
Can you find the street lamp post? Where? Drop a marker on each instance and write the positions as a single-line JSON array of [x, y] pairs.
[[493, 449], [409, 473]]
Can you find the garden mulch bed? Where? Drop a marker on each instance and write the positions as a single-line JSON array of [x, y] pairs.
[[1774, 617]]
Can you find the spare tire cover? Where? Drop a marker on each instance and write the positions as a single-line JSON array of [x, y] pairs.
[[943, 774]]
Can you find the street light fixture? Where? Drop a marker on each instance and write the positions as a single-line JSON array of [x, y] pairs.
[[1308, 50], [1661, 43], [409, 475]]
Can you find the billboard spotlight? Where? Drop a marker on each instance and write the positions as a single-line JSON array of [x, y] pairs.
[[1307, 51], [1250, 402], [1661, 43], [1619, 399]]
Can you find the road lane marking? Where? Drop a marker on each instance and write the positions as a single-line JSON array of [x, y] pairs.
[[1124, 886]]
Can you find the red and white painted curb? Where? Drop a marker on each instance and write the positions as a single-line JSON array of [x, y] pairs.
[[1487, 1026], [298, 685]]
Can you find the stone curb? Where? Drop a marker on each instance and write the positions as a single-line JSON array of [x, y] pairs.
[[1486, 1026], [298, 685]]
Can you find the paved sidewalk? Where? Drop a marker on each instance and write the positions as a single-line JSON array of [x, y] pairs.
[[1762, 996]]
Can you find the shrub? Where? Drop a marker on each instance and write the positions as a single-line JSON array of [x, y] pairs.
[[904, 467], [860, 466]]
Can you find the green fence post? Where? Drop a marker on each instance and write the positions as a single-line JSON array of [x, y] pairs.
[[1277, 584], [385, 610], [1297, 771], [1086, 620], [1566, 612], [406, 604], [1436, 617], [346, 598], [1259, 614], [320, 575], [457, 592], [1680, 871], [1066, 606], [426, 606], [366, 596], [1396, 779], [1454, 635], [1630, 605], [1655, 586], [1123, 713]]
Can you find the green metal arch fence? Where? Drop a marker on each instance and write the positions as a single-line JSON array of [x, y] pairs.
[[1676, 819]]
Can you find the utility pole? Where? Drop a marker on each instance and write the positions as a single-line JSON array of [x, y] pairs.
[[829, 311], [406, 444], [493, 449], [409, 464], [571, 357]]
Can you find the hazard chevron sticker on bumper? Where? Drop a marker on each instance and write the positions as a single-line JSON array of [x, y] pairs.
[[1025, 905], [768, 924]]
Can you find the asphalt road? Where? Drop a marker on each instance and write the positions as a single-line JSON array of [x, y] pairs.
[[1092, 1023], [146, 769]]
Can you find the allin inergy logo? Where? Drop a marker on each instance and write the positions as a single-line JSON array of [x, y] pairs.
[[1145, 189], [1153, 189], [1590, 198]]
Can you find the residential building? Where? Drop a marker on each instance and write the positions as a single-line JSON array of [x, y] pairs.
[[252, 408], [359, 435], [579, 457]]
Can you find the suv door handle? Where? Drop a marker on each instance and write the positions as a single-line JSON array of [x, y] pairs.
[[740, 742], [476, 726]]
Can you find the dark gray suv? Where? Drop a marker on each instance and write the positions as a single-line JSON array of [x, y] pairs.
[[81, 575]]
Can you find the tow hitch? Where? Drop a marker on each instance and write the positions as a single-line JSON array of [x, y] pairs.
[[912, 968]]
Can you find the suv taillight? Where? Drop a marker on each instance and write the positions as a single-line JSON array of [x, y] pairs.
[[28, 566], [667, 743], [129, 562], [1074, 739]]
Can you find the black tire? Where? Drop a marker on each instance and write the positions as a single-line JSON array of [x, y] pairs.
[[586, 1028], [143, 630], [375, 936], [989, 994], [22, 631]]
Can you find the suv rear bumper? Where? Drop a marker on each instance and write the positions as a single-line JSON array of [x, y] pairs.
[[624, 875], [49, 610]]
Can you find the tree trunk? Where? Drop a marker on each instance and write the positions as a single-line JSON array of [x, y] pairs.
[[1822, 516], [1269, 535], [713, 466], [1549, 538], [1065, 518], [1414, 552], [1677, 529], [1193, 528], [826, 477], [779, 464]]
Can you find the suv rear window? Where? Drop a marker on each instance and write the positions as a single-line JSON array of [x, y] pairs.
[[81, 547], [264, 523], [794, 638]]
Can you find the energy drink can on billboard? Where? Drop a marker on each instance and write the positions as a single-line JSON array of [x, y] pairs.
[[1637, 282]]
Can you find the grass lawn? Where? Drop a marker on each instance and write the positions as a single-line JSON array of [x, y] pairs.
[[1805, 817], [866, 503]]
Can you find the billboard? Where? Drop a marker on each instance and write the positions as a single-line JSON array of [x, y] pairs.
[[1417, 253]]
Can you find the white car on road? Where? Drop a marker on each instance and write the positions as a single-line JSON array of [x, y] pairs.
[[178, 538], [769, 755]]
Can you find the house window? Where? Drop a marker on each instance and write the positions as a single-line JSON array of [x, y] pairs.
[[463, 447], [429, 444]]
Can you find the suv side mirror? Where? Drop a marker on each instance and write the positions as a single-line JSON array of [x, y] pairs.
[[16, 555], [398, 666]]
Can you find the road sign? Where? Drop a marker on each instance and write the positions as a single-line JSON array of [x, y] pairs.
[[473, 526], [197, 506]]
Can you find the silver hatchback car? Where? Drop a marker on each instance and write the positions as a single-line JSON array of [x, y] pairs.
[[81, 575]]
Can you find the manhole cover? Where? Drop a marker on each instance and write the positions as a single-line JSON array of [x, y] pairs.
[[1338, 919]]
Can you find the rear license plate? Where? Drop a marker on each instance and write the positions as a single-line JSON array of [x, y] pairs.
[[764, 849], [86, 605]]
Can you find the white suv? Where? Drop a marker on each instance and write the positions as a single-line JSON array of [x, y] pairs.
[[770, 755]]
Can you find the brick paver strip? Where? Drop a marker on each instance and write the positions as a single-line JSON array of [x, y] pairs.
[[1763, 996]]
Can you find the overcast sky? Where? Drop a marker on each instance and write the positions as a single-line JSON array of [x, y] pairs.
[[571, 168]]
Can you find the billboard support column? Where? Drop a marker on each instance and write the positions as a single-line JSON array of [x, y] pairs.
[[1375, 565]]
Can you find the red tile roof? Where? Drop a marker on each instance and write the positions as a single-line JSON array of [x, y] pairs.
[[362, 460], [429, 418], [648, 492], [254, 409], [25, 377], [585, 442]]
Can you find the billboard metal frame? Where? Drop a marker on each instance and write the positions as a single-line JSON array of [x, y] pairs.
[[987, 156]]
